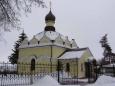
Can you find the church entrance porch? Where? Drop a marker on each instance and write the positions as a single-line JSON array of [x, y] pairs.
[[75, 70]]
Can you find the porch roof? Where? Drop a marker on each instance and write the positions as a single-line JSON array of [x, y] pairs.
[[72, 55]]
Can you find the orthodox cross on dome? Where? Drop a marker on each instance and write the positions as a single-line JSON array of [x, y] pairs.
[[50, 5], [23, 31]]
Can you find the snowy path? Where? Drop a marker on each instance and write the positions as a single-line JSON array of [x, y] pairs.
[[102, 81]]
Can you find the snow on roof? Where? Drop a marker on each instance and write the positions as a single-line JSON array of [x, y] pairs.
[[39, 35], [50, 34], [63, 37], [72, 54]]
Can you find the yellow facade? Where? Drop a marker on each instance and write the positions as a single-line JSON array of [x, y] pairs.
[[82, 61], [77, 65], [27, 54]]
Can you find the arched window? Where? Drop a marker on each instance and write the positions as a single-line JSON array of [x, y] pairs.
[[32, 64], [67, 67]]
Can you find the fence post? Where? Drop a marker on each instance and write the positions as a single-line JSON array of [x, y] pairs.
[[2, 80], [96, 72], [58, 71], [31, 78], [113, 70], [89, 72]]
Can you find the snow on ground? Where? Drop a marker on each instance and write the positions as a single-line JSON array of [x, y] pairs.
[[104, 81], [48, 81]]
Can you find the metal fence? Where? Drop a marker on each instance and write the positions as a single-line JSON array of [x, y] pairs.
[[26, 74], [108, 70], [21, 74]]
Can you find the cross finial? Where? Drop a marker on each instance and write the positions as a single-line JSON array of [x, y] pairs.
[[50, 5], [23, 31]]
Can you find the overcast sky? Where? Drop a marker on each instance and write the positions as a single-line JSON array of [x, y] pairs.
[[86, 21]]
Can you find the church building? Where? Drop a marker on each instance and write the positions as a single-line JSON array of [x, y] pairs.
[[49, 47]]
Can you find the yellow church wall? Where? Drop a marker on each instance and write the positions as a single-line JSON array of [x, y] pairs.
[[25, 56], [39, 68], [81, 65], [74, 68], [41, 51], [38, 51], [57, 51], [82, 61]]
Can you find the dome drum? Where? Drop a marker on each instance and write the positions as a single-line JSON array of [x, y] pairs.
[[49, 28]]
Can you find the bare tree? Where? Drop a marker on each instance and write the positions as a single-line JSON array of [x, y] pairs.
[[10, 12]]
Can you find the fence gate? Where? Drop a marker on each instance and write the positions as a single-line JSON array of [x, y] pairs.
[[67, 74]]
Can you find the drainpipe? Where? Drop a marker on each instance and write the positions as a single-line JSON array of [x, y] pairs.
[[51, 56], [77, 69]]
